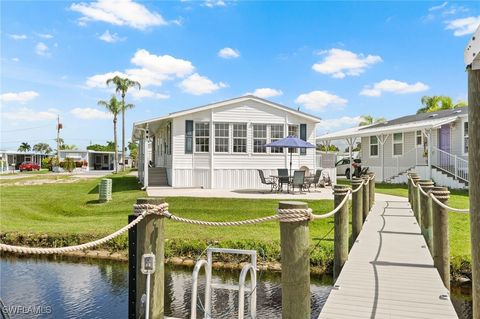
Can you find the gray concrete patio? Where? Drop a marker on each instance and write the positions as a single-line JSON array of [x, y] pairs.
[[320, 193]]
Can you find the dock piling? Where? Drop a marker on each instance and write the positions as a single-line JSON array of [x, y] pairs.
[[340, 238], [441, 245]]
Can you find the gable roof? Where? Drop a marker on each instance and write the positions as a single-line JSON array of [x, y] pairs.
[[228, 102], [401, 124]]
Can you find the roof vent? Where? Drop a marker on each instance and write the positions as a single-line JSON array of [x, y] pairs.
[[433, 115]]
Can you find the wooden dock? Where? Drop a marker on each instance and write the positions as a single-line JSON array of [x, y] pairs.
[[389, 272]]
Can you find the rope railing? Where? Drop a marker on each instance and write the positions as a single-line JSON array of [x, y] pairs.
[[436, 199]]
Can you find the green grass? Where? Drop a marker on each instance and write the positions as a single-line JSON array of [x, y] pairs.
[[459, 224]]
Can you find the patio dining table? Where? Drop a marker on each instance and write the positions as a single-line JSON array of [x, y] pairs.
[[308, 178]]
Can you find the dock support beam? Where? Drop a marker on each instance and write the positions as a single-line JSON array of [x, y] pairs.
[[295, 258], [474, 183], [340, 237], [441, 246], [148, 236], [357, 208], [426, 224]]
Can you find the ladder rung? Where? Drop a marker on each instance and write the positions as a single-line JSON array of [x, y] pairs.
[[229, 287]]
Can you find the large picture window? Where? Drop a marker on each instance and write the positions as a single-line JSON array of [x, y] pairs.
[[397, 144], [292, 131], [276, 133], [239, 138], [202, 137], [373, 146], [465, 137], [222, 137], [259, 138]]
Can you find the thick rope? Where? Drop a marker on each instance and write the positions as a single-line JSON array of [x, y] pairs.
[[333, 212], [458, 210], [359, 186], [421, 190], [221, 224]]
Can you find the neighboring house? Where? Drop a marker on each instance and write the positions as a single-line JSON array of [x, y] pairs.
[[12, 159], [221, 145], [92, 160], [435, 145]]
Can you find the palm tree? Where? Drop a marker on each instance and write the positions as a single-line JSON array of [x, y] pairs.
[[122, 85], [115, 107], [438, 103], [368, 119], [68, 147], [24, 147], [42, 148]]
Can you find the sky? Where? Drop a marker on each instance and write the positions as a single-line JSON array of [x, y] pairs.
[[335, 60]]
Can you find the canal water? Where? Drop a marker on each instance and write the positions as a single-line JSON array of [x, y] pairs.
[[57, 287]]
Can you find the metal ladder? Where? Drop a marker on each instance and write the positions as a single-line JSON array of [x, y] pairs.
[[249, 268]]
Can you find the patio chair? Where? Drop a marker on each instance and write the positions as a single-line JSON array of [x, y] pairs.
[[267, 181], [283, 178], [298, 180], [315, 180], [364, 171]]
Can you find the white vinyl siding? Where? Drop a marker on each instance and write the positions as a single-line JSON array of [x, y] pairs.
[[373, 146], [222, 137], [202, 137], [397, 149]]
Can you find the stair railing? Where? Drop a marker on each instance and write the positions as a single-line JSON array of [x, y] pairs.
[[450, 163], [407, 160]]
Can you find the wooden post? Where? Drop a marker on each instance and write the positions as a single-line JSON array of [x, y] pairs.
[[416, 199], [474, 183], [357, 208], [295, 257], [426, 213], [441, 246], [410, 187], [366, 198], [371, 190], [148, 236], [340, 238]]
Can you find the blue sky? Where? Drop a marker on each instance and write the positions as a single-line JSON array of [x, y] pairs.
[[336, 60]]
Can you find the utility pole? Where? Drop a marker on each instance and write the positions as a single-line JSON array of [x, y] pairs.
[[59, 127], [472, 60]]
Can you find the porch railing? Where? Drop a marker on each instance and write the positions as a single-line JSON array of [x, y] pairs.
[[450, 163], [410, 159]]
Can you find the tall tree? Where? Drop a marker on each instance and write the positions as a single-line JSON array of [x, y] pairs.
[[438, 103], [68, 147], [122, 85], [368, 119], [24, 147], [42, 148], [115, 107]]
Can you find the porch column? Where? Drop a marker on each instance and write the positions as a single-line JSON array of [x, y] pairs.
[[145, 160], [429, 157], [350, 141]]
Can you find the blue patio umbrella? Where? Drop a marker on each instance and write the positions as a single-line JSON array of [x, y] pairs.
[[291, 142]]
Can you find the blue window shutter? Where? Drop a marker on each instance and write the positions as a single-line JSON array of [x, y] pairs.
[[188, 137], [303, 136]]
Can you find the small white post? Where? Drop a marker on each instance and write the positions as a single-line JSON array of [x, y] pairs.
[[455, 169], [429, 158]]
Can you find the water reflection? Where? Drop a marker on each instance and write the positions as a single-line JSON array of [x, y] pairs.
[[99, 289]]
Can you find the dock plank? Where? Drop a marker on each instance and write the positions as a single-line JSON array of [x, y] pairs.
[[389, 272]]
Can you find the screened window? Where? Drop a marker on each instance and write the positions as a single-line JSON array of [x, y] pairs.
[[397, 144], [202, 137], [373, 146], [465, 137], [292, 131], [418, 138], [239, 138], [276, 133], [222, 134], [259, 138]]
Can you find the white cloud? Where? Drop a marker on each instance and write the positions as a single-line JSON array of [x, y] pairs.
[[228, 53], [197, 85], [153, 71], [118, 12], [15, 59], [339, 63], [341, 122], [393, 86], [30, 115], [110, 37], [89, 113], [143, 93], [214, 3], [18, 36], [265, 92], [438, 7], [42, 49], [464, 26], [44, 35], [320, 100], [21, 97]]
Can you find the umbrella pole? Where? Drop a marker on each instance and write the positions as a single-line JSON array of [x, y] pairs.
[[290, 162]]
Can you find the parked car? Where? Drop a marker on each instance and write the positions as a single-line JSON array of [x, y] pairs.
[[29, 166], [343, 166]]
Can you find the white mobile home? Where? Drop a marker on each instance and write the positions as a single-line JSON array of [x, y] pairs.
[[435, 145], [221, 145], [10, 160], [91, 160]]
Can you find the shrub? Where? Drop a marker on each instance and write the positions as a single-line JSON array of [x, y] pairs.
[[68, 164]]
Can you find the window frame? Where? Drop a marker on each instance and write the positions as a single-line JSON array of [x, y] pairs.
[[195, 137], [276, 150], [465, 136], [402, 142], [234, 138], [297, 126], [375, 144], [266, 138], [221, 137], [416, 138]]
